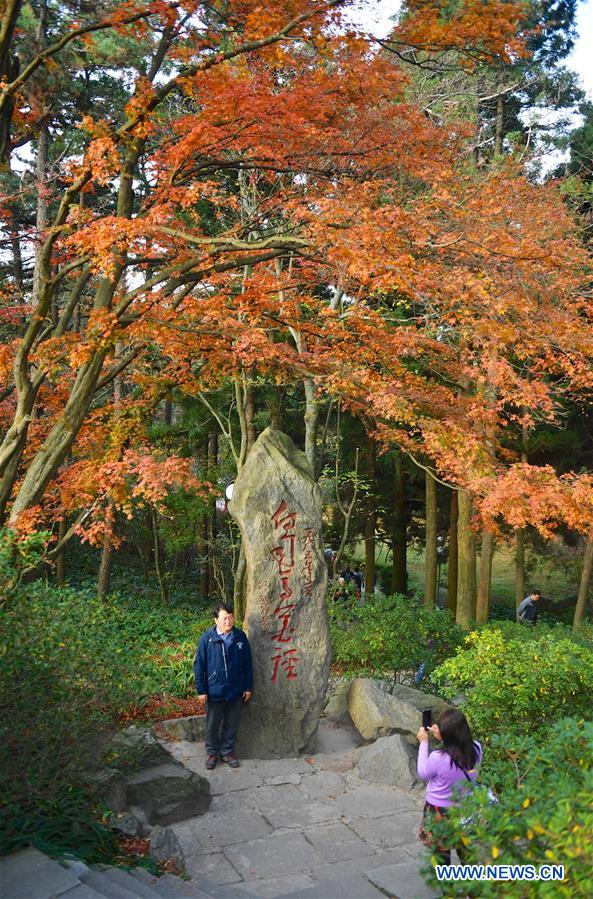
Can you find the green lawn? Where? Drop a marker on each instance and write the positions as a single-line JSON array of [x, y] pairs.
[[557, 576]]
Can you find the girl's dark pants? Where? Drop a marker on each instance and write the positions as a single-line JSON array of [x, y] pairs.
[[436, 813]]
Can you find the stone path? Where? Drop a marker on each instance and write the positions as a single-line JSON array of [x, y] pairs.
[[304, 827]]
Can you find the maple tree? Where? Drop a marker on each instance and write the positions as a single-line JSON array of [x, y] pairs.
[[269, 202]]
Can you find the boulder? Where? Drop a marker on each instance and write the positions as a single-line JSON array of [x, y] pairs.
[[164, 845], [111, 789], [337, 705], [168, 793], [277, 504], [376, 713], [419, 700], [135, 748], [125, 823], [389, 760], [191, 728]]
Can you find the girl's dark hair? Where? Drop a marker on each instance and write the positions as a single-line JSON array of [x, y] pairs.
[[458, 742]]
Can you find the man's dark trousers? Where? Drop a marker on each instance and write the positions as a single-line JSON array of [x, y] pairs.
[[222, 721]]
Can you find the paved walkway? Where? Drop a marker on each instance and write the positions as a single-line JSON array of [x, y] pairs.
[[304, 827]]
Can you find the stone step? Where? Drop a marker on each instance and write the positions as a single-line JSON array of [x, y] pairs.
[[220, 891], [80, 891], [126, 880], [141, 875], [106, 885], [29, 874], [166, 888], [183, 888]]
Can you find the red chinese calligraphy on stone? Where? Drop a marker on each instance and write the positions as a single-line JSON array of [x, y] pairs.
[[284, 555], [283, 614], [286, 592], [284, 518], [287, 660]]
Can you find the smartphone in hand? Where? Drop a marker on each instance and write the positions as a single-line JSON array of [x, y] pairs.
[[427, 718]]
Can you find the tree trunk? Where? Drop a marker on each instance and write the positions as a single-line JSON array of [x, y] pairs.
[[579, 612], [430, 554], [212, 465], [466, 598], [61, 557], [311, 423], [483, 600], [239, 590], [520, 542], [158, 559], [499, 134], [453, 554], [249, 396], [42, 218], [203, 556], [369, 531], [519, 567], [60, 439], [399, 572], [104, 578], [473, 569], [202, 541]]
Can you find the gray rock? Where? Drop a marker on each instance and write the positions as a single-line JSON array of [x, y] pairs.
[[140, 816], [390, 760], [377, 713], [126, 823], [164, 845], [169, 793], [337, 706], [277, 505], [135, 748], [111, 788], [420, 700], [374, 712], [191, 728]]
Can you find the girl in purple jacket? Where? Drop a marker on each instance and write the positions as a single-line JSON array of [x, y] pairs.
[[448, 771]]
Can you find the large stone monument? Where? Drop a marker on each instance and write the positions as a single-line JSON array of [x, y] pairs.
[[277, 505]]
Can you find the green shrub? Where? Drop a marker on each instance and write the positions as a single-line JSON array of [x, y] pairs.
[[519, 678], [64, 826], [70, 665], [17, 554], [391, 634], [545, 817]]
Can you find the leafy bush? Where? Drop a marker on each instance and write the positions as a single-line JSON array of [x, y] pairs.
[[62, 827], [391, 634], [520, 678], [70, 665], [17, 553], [546, 817]]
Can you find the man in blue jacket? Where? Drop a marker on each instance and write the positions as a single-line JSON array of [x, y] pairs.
[[223, 674]]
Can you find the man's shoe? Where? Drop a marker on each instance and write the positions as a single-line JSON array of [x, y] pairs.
[[231, 760], [211, 762]]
